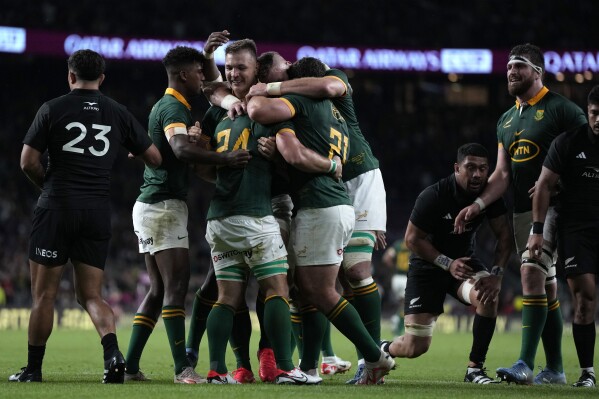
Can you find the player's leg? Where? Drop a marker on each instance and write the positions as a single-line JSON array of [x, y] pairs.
[[204, 300], [231, 288], [483, 329], [239, 340], [554, 324], [88, 285], [144, 321], [584, 295], [44, 288], [417, 338]]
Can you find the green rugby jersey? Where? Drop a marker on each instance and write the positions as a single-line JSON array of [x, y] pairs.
[[319, 126], [360, 158], [244, 191], [526, 134], [170, 179]]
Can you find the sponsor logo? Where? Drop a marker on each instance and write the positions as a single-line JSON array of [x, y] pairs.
[[179, 342], [591, 172], [568, 264], [581, 156], [519, 133], [46, 253], [281, 246], [228, 254], [539, 114], [147, 241], [180, 238], [413, 303], [91, 106], [508, 123], [362, 216], [302, 252], [448, 216], [523, 150]]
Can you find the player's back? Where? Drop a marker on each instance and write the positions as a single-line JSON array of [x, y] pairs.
[[82, 132]]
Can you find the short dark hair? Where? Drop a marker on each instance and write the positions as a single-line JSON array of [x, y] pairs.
[[264, 64], [241, 45], [472, 149], [530, 51], [593, 97], [307, 67], [86, 64], [182, 56]]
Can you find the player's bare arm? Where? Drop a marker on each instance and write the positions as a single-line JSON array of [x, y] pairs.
[[215, 40], [546, 184], [31, 165], [269, 110], [416, 241], [304, 159]]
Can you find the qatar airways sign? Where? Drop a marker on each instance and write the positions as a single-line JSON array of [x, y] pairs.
[[445, 60]]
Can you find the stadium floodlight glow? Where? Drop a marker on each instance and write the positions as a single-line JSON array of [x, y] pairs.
[[456, 60], [12, 40]]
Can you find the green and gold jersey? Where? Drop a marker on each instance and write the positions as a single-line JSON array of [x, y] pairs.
[[401, 260], [239, 191], [319, 126], [526, 131], [170, 179], [360, 159]]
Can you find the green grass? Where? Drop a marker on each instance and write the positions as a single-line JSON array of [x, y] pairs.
[[73, 369]]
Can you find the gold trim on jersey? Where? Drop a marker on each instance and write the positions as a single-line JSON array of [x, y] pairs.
[[339, 79], [178, 96], [286, 130], [289, 105], [536, 98]]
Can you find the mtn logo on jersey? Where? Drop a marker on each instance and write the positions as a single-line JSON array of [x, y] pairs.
[[523, 150], [91, 106], [568, 263], [413, 303], [581, 156]]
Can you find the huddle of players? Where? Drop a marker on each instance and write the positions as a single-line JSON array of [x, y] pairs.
[[312, 136]]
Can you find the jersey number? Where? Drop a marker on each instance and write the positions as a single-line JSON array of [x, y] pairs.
[[70, 146], [222, 138], [342, 141]]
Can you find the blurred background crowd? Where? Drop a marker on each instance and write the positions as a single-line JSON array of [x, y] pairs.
[[414, 121]]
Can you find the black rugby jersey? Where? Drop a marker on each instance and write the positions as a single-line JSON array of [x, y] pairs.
[[82, 132], [575, 157], [434, 212]]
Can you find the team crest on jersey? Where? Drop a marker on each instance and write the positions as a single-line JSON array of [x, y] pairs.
[[336, 113], [508, 123], [539, 115]]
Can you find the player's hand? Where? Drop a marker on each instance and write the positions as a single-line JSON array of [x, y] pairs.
[[236, 110], [460, 270], [339, 171], [381, 240], [215, 40], [531, 191], [267, 147], [238, 158], [194, 133], [259, 89], [535, 245], [465, 215], [488, 288]]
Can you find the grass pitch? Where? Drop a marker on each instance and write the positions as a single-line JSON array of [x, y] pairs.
[[73, 369]]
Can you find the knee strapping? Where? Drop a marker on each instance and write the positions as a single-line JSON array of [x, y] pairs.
[[420, 330], [362, 283], [544, 263], [359, 249]]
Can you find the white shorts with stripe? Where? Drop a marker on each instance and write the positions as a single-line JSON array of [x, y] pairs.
[[318, 235], [238, 243], [161, 226], [368, 196]]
